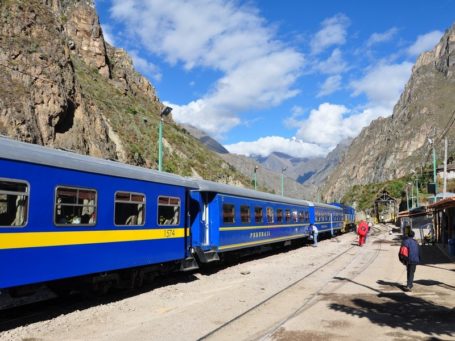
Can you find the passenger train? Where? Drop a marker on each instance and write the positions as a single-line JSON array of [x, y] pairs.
[[69, 220], [348, 217]]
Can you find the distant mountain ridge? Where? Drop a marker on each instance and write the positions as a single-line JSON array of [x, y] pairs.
[[304, 176]]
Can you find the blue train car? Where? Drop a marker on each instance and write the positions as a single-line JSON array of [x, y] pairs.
[[348, 217], [228, 218], [64, 215], [68, 218], [327, 218]]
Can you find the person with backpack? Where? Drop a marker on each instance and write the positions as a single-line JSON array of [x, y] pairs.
[[412, 248], [362, 231]]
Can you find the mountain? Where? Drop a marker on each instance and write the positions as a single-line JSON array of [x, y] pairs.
[[271, 179], [63, 86], [205, 139], [306, 171], [395, 146]]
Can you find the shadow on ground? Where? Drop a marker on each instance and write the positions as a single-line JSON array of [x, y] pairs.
[[399, 310]]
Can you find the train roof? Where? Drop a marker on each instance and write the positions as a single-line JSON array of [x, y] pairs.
[[320, 204], [210, 186], [32, 153]]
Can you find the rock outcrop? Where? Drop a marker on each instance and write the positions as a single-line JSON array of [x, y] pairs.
[[41, 99], [391, 147], [63, 86]]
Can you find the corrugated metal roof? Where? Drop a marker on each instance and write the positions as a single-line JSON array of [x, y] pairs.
[[444, 203]]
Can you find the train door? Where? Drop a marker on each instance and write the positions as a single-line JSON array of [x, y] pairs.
[[205, 220]]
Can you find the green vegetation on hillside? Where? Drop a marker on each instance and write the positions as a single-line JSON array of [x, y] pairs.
[[365, 195], [136, 120]]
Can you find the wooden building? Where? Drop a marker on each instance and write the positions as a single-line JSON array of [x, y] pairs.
[[444, 223]]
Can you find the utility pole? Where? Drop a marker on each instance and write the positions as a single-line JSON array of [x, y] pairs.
[[435, 181], [165, 112], [434, 174], [417, 191], [412, 194], [445, 166], [407, 199], [255, 177], [282, 180]]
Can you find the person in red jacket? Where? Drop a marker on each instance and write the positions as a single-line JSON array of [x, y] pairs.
[[362, 231]]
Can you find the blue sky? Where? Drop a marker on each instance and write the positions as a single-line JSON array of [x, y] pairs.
[[289, 76]]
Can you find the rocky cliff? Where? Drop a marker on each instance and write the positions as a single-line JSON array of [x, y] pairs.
[[63, 86], [394, 146]]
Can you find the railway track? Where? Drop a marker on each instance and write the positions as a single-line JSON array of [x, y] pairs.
[[46, 305], [46, 310], [275, 310]]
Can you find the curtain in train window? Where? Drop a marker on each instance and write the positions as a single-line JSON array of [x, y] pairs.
[[301, 217], [295, 218], [168, 211], [245, 216], [258, 214], [269, 213], [228, 214], [13, 203], [129, 209], [75, 206], [288, 216], [279, 215]]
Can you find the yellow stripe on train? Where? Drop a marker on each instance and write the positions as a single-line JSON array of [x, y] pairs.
[[20, 240]]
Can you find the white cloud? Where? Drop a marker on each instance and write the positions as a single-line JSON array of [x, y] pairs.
[[196, 114], [294, 120], [317, 135], [386, 36], [257, 70], [330, 123], [383, 84], [425, 42], [144, 66], [334, 64], [324, 125], [331, 85], [333, 32], [267, 145]]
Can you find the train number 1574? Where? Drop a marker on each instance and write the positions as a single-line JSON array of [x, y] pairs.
[[169, 233]]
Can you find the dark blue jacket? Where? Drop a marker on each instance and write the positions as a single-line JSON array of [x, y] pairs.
[[414, 250]]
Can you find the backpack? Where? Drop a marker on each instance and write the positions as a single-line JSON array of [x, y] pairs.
[[403, 254]]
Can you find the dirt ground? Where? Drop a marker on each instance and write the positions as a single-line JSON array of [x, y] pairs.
[[333, 292]]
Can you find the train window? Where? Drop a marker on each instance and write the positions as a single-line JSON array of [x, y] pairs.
[[301, 217], [129, 209], [307, 217], [279, 215], [168, 211], [258, 214], [13, 203], [288, 216], [228, 214], [295, 218], [245, 214], [75, 206], [269, 214]]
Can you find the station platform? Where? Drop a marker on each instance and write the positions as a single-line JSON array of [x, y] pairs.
[[373, 305]]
